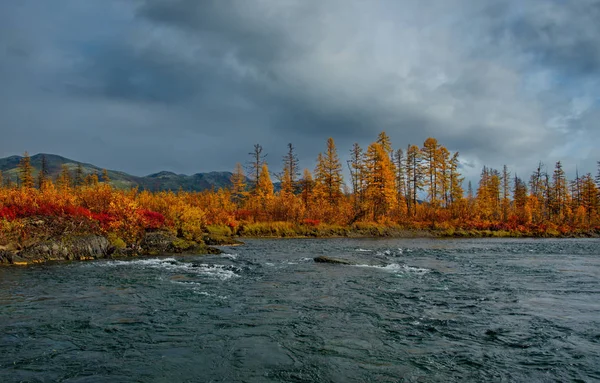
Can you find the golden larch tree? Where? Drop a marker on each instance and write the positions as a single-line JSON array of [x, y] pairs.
[[26, 171]]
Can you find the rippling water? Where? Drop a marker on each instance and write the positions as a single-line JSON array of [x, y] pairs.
[[411, 310]]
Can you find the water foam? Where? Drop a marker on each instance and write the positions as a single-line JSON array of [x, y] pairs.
[[171, 264], [397, 268], [207, 294]]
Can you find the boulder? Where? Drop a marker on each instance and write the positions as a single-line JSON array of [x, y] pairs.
[[77, 247], [163, 242], [325, 259]]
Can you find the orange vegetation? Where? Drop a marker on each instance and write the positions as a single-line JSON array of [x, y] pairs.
[[385, 190]]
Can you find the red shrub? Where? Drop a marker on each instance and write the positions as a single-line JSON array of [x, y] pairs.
[[152, 219], [105, 219]]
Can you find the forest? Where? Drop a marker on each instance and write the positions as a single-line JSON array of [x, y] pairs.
[[390, 191]]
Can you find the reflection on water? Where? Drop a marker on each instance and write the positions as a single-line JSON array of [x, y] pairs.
[[407, 310]]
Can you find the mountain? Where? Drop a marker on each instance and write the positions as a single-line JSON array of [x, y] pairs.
[[154, 182]]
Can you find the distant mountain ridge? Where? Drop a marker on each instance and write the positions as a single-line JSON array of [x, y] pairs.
[[163, 180]]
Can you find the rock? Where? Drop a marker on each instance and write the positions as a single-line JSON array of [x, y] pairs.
[[325, 259], [221, 240], [89, 247], [157, 242], [79, 247], [5, 256], [163, 242]]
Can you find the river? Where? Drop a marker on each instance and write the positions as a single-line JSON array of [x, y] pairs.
[[410, 310]]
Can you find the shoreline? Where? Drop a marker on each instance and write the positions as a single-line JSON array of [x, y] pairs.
[[431, 233], [94, 247]]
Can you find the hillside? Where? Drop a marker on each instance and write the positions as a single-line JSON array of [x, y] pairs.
[[154, 182]]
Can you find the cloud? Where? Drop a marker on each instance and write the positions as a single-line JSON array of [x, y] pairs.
[[190, 86]]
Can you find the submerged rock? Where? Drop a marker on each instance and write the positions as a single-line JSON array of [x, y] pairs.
[[325, 259]]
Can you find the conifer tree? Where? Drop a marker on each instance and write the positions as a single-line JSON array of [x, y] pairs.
[[505, 185], [559, 190], [456, 180], [589, 196], [414, 172], [290, 163], [306, 188], [443, 177], [520, 197], [105, 177], [384, 140], [401, 179], [238, 185], [381, 183], [64, 178], [357, 173], [329, 173], [287, 186], [79, 177], [255, 166], [43, 173], [26, 171]]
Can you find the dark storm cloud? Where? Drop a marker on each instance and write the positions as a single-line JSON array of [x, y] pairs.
[[562, 36], [191, 85]]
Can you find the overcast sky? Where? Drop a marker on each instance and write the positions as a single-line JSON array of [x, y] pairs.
[[190, 86]]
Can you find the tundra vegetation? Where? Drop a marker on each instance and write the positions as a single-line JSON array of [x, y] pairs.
[[391, 192]]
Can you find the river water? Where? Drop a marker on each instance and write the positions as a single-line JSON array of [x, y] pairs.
[[410, 310]]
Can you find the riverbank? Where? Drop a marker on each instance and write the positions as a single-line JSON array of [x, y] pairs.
[[366, 230], [92, 246]]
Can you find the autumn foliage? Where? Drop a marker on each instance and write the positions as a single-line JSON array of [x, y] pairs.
[[420, 188]]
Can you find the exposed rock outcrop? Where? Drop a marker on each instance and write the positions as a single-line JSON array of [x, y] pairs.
[[73, 248], [89, 247], [325, 259], [162, 242]]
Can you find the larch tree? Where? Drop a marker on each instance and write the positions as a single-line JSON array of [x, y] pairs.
[[357, 173], [505, 185], [79, 177], [43, 173], [264, 186], [287, 185], [386, 143], [91, 180], [559, 191], [26, 171], [291, 164], [456, 180], [255, 166], [328, 173], [105, 177], [598, 179], [589, 196], [64, 178], [520, 198], [381, 183], [306, 188], [414, 174], [576, 190], [401, 189], [443, 177], [238, 185], [430, 155]]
